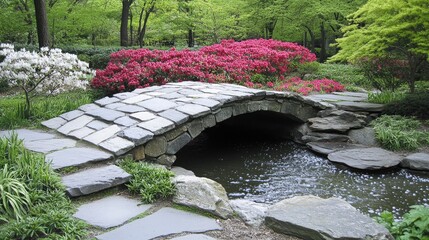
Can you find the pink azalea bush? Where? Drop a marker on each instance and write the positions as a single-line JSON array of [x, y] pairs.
[[228, 61], [305, 87]]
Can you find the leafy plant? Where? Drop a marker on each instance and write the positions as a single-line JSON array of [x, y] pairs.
[[399, 133], [385, 97], [413, 226], [308, 68], [346, 74], [415, 104], [150, 182]]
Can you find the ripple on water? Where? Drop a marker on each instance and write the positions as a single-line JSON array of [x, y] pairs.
[[266, 171]]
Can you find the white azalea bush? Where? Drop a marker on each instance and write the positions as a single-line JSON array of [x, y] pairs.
[[46, 72]]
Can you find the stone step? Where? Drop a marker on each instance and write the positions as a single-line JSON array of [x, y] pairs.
[[76, 157], [94, 179]]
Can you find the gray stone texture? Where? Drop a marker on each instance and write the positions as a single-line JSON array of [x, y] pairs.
[[157, 125], [125, 95], [194, 237], [49, 145], [365, 136], [156, 147], [164, 222], [298, 110], [110, 211], [71, 115], [213, 104], [175, 132], [323, 137], [193, 110], [366, 158], [103, 134], [310, 217], [54, 123], [157, 104], [115, 105], [81, 133], [97, 125], [179, 171], [117, 145], [94, 180], [75, 157], [136, 99], [125, 121], [137, 135], [195, 128], [175, 145], [337, 120], [28, 135], [209, 121], [166, 160], [105, 114], [88, 107], [202, 193], [75, 124], [130, 109], [106, 100], [223, 114], [326, 148], [416, 161], [143, 116], [175, 116], [251, 213], [360, 106]]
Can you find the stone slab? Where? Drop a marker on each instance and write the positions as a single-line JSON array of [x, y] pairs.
[[193, 110], [81, 133], [54, 123], [124, 95], [416, 161], [88, 107], [194, 237], [136, 99], [137, 135], [336, 98], [117, 145], [125, 121], [162, 223], [103, 134], [213, 104], [175, 116], [97, 125], [157, 125], [105, 114], [130, 109], [75, 124], [76, 156], [111, 211], [28, 135], [359, 106], [72, 115], [326, 148], [157, 104], [175, 145], [49, 145], [143, 116], [106, 100], [115, 105], [94, 180]]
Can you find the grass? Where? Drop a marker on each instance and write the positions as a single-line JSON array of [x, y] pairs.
[[400, 133], [385, 97], [43, 108], [149, 181], [35, 205]]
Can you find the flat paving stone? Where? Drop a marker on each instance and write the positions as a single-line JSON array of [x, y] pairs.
[[125, 121], [111, 211], [213, 104], [162, 223], [136, 99], [193, 110], [97, 125], [106, 101], [81, 133], [54, 123], [137, 135], [49, 145], [143, 116], [157, 104], [106, 114], [88, 107], [72, 115], [117, 145], [336, 98], [76, 156], [75, 124], [175, 116], [157, 125], [130, 109], [125, 95], [28, 135], [359, 106], [103, 134], [115, 105], [194, 237], [94, 180]]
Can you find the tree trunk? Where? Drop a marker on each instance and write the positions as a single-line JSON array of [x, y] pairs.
[[145, 20], [126, 4], [312, 39], [322, 57], [131, 29], [191, 42], [42, 23]]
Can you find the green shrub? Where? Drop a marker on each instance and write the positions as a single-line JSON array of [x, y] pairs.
[[399, 133], [150, 182], [413, 226], [416, 104], [308, 68], [345, 74], [385, 97], [46, 211]]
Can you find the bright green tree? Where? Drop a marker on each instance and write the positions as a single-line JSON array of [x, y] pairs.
[[389, 27]]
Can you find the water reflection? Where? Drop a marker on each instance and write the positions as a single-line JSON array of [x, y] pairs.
[[269, 171]]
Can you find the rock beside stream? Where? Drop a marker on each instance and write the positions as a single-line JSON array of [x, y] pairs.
[[310, 217], [416, 161], [252, 213], [366, 158], [326, 148], [202, 193]]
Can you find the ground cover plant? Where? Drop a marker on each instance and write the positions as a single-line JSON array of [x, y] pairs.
[[150, 182], [413, 226], [254, 63], [33, 204], [400, 133]]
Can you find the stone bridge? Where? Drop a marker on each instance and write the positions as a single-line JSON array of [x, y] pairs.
[[156, 122]]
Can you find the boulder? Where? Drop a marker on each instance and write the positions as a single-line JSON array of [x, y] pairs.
[[202, 193], [325, 137], [366, 158], [178, 171], [253, 214], [310, 217], [365, 136], [326, 148], [417, 161], [359, 106], [336, 120]]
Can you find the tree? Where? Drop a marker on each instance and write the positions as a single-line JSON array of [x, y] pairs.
[[126, 7], [42, 23], [389, 27]]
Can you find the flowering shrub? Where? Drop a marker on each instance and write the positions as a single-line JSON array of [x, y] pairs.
[[50, 71], [305, 87], [229, 61]]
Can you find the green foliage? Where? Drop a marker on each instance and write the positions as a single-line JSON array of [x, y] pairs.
[[149, 181], [385, 97], [345, 74], [45, 212], [411, 105], [399, 133], [308, 68], [413, 226], [43, 108]]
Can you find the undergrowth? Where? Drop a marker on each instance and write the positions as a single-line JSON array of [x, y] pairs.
[[150, 182]]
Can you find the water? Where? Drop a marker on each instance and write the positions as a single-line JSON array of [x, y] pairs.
[[268, 171]]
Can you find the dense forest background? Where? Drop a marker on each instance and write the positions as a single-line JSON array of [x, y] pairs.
[[179, 23]]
